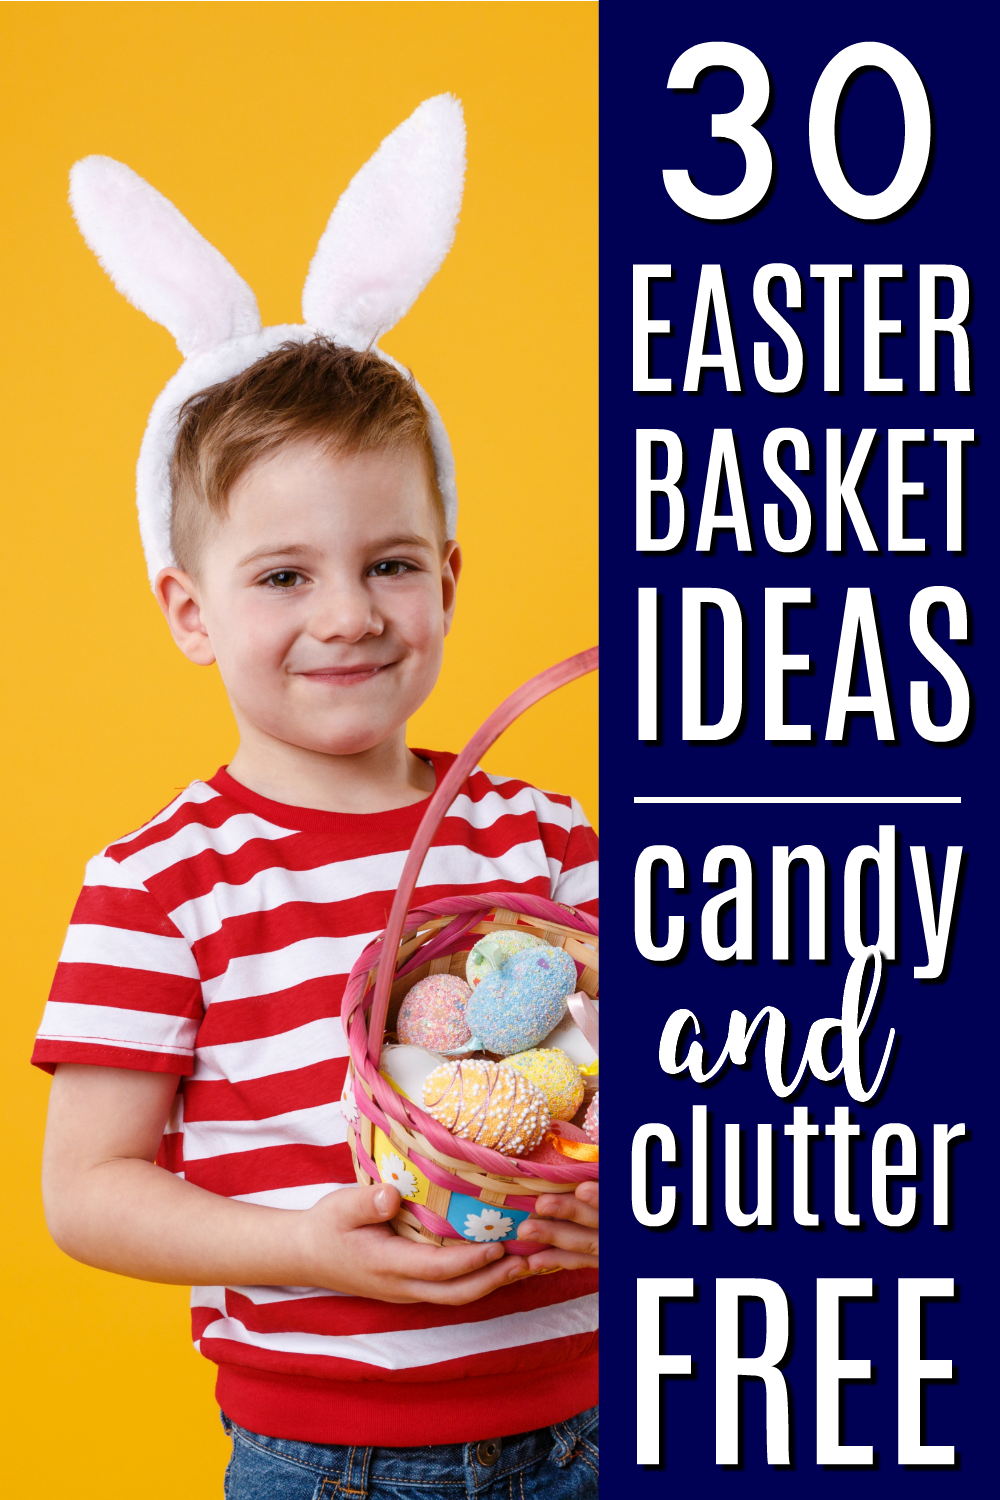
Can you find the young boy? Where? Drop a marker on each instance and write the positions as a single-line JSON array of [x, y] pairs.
[[194, 1131]]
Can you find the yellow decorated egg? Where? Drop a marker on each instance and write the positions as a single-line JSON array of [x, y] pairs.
[[555, 1074], [487, 1103]]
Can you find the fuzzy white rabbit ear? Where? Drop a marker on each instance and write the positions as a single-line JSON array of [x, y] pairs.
[[157, 259], [392, 228]]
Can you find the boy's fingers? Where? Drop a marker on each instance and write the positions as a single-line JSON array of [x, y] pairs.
[[577, 1237], [566, 1206], [561, 1260], [413, 1262], [477, 1284], [355, 1206]]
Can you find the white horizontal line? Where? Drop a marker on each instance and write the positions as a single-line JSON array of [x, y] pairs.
[[836, 801]]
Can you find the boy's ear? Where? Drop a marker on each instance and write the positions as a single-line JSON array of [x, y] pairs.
[[450, 570], [176, 594]]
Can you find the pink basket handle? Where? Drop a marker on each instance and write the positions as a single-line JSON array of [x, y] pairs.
[[500, 719]]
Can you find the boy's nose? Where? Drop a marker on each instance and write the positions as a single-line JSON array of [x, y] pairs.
[[345, 614]]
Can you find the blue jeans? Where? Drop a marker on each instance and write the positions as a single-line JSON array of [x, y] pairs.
[[552, 1463]]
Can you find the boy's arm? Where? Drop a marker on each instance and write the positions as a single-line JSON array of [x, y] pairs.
[[107, 1204]]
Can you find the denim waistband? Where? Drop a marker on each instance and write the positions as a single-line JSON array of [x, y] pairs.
[[449, 1466]]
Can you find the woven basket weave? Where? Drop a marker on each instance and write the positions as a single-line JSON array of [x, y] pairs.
[[457, 1181]]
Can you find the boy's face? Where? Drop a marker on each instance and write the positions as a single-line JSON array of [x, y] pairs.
[[324, 595]]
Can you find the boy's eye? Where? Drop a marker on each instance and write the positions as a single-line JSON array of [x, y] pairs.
[[391, 567], [283, 578]]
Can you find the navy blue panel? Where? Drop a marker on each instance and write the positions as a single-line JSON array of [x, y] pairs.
[[945, 1054]]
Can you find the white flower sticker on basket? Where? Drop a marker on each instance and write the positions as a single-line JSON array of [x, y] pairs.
[[394, 1171], [348, 1103], [491, 1224]]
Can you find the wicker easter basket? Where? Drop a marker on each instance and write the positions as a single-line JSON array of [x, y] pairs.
[[455, 1187]]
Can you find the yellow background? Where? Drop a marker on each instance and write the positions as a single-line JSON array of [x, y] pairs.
[[252, 118]]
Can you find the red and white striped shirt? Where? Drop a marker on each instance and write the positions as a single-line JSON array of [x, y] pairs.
[[215, 943]]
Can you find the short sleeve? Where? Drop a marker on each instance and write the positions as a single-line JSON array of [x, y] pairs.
[[575, 874], [127, 992]]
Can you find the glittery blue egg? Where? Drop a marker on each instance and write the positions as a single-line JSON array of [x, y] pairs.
[[517, 1005]]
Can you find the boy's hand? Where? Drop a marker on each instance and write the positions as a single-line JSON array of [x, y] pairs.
[[568, 1222], [347, 1246]]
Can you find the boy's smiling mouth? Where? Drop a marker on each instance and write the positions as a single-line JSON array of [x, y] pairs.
[[345, 676]]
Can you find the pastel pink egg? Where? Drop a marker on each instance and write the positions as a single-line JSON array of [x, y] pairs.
[[433, 1014]]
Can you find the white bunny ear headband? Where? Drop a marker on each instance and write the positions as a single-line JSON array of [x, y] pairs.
[[386, 238]]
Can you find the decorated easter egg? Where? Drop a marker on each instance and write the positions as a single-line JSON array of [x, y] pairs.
[[590, 1119], [568, 1037], [494, 949], [433, 1013], [407, 1068], [487, 1103], [561, 1143], [557, 1077], [517, 1005]]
